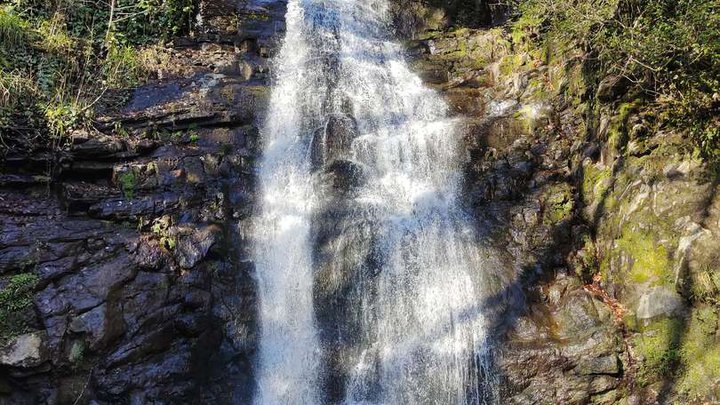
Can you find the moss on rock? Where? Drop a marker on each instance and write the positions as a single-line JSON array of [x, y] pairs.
[[657, 348], [596, 181], [558, 203], [650, 263], [15, 300], [700, 353]]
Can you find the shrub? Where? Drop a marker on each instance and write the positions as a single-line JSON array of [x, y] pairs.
[[668, 49], [13, 29], [53, 52]]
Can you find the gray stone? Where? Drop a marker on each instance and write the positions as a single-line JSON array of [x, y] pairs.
[[609, 365], [194, 247], [659, 301], [102, 324], [24, 351]]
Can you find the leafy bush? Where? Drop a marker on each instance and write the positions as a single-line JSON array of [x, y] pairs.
[[58, 58], [12, 29]]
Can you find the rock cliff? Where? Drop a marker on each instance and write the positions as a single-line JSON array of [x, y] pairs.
[[124, 267]]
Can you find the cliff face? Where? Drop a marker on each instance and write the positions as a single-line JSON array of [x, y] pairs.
[[558, 338], [126, 279], [608, 216]]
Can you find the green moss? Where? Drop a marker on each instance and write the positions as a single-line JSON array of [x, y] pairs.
[[691, 349], [630, 321], [658, 350], [539, 89], [169, 243], [700, 352], [618, 136], [558, 203], [460, 52], [128, 183], [586, 262], [595, 183], [15, 298], [650, 263], [459, 32], [510, 64], [605, 267], [525, 26], [576, 86]]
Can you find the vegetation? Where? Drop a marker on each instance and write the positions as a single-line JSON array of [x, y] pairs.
[[15, 299], [60, 59], [701, 355], [659, 350], [665, 51], [128, 183]]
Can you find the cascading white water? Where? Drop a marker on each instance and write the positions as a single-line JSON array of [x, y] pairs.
[[289, 350], [422, 332]]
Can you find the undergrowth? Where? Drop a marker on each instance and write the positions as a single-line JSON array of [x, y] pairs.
[[666, 51], [60, 59]]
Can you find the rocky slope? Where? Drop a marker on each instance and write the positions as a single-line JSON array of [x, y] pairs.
[[126, 279], [608, 214]]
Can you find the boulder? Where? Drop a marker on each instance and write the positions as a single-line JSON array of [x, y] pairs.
[[659, 301]]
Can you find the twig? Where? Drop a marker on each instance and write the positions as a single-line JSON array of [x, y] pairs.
[[87, 382]]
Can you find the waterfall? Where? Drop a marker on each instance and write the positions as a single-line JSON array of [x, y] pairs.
[[370, 275]]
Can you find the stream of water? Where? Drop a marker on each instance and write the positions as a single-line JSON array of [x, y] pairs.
[[369, 272]]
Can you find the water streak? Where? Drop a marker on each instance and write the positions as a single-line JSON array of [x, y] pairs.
[[370, 274]]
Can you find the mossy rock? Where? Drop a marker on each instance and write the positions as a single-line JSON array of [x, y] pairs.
[[657, 348], [16, 304], [649, 258], [595, 183], [700, 353], [558, 203], [683, 350]]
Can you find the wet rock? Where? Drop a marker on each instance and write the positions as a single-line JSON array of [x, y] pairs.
[[99, 147], [102, 324], [333, 141], [193, 245], [120, 209], [344, 175], [135, 205], [609, 365], [20, 180]]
